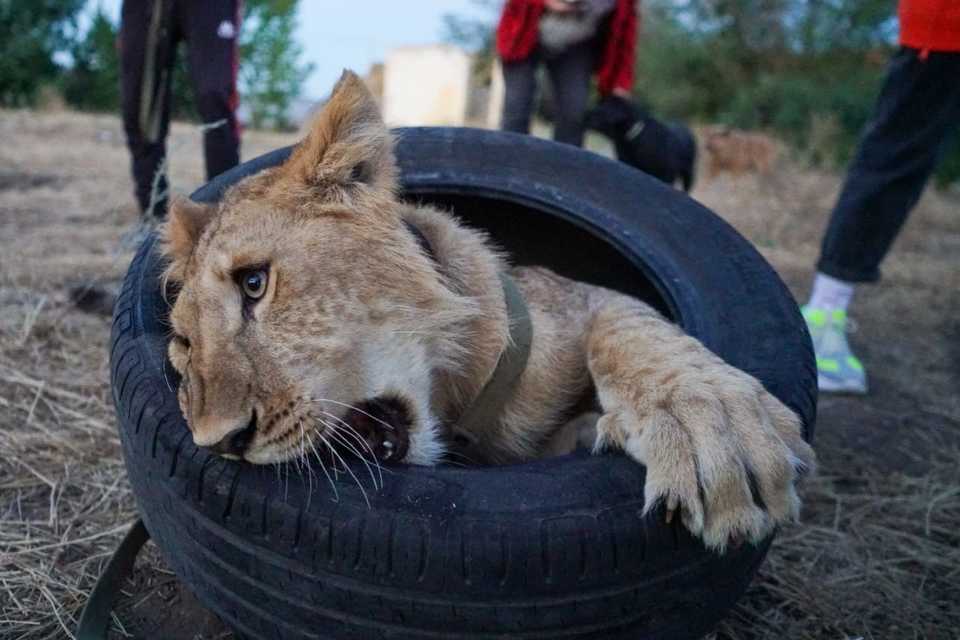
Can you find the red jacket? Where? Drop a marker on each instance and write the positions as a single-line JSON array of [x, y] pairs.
[[932, 25], [519, 27]]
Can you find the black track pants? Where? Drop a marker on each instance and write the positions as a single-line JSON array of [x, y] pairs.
[[150, 31], [917, 111]]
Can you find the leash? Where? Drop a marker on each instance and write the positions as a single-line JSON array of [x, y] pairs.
[[95, 619]]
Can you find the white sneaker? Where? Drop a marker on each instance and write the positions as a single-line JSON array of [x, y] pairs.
[[838, 370]]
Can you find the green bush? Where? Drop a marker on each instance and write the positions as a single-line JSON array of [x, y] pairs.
[[949, 170], [271, 73], [93, 82], [793, 104], [807, 71], [31, 32], [681, 74]]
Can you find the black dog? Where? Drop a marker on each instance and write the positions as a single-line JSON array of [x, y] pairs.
[[665, 151]]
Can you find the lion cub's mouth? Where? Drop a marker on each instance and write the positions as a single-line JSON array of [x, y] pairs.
[[384, 425], [373, 431]]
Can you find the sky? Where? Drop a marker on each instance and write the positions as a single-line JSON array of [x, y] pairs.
[[355, 34]]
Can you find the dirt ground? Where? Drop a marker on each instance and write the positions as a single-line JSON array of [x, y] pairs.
[[876, 556]]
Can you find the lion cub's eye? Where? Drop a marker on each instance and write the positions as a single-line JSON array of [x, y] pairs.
[[253, 282]]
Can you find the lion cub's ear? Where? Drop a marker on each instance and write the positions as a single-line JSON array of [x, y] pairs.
[[179, 234], [348, 143]]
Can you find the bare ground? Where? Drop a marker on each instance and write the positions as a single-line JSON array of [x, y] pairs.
[[877, 555]]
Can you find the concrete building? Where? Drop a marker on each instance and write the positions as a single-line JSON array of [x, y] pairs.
[[426, 85]]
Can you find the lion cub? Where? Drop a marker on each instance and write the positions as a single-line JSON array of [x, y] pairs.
[[313, 303]]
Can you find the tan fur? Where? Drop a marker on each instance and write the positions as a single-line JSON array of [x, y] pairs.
[[355, 309], [738, 152]]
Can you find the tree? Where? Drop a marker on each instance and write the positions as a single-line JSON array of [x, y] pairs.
[[475, 34], [30, 33], [783, 65], [93, 82], [270, 72]]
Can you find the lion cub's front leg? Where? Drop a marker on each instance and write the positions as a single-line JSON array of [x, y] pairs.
[[716, 445]]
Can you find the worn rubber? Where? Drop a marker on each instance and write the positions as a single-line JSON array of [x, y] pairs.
[[551, 549]]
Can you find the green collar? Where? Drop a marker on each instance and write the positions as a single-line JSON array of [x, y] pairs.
[[488, 405], [486, 408]]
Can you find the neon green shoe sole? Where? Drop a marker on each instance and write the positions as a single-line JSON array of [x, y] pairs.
[[838, 369]]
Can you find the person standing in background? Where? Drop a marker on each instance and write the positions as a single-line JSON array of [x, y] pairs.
[[574, 39], [916, 112], [149, 33]]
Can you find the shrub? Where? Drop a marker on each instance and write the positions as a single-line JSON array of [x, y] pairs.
[[30, 34]]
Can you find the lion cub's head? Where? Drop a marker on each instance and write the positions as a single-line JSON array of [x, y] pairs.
[[306, 306]]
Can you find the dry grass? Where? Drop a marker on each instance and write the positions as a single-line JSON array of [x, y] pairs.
[[65, 203], [878, 555]]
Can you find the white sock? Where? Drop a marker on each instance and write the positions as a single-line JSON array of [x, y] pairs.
[[830, 293]]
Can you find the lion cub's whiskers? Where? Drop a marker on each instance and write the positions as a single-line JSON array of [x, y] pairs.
[[334, 451], [323, 467], [340, 437], [303, 455], [276, 466], [305, 441], [342, 440], [350, 406], [467, 460], [350, 431]]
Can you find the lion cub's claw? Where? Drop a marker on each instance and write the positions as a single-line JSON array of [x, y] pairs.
[[720, 450]]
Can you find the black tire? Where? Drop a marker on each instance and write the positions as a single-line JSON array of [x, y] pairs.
[[551, 549]]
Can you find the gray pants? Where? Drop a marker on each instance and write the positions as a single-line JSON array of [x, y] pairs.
[[570, 73]]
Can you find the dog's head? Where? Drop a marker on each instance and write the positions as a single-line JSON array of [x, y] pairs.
[[613, 116]]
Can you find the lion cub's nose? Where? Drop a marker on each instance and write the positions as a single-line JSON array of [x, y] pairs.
[[225, 438]]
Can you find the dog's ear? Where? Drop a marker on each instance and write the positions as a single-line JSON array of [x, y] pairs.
[[179, 234], [348, 143]]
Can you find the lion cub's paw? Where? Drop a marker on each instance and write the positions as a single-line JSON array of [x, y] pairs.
[[719, 449]]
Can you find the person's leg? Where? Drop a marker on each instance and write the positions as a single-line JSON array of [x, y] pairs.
[[519, 91], [570, 74], [211, 29], [915, 113], [146, 46]]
